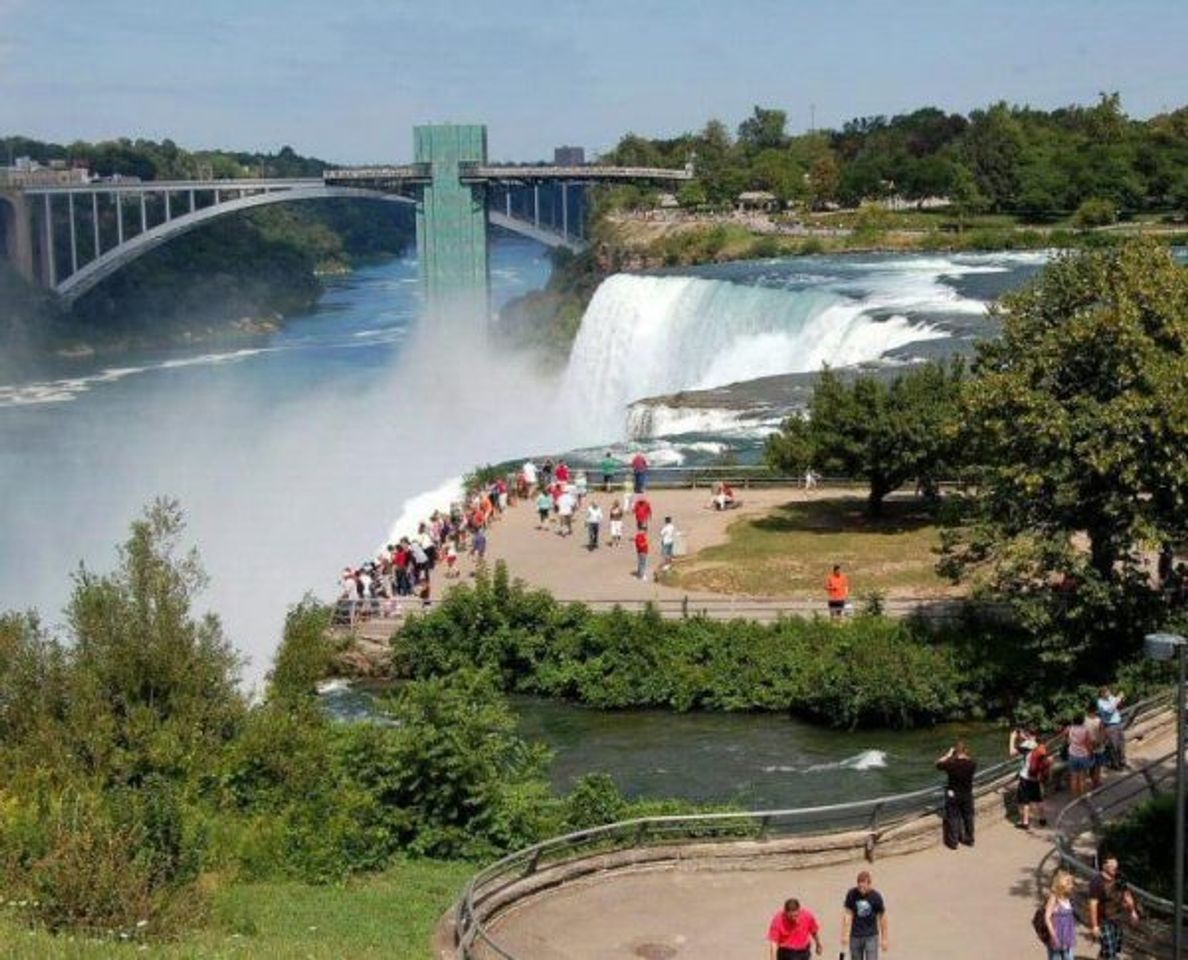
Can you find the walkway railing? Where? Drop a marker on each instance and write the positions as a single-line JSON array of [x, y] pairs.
[[382, 613], [493, 888], [1080, 823]]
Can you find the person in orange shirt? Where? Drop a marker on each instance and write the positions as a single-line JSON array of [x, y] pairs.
[[837, 586]]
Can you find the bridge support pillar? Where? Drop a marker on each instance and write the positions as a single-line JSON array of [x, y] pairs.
[[18, 234], [452, 220]]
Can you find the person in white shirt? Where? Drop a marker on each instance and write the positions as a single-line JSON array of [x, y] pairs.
[[667, 543], [528, 471], [593, 524], [565, 507]]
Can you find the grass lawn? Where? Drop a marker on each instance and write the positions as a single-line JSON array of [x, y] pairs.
[[391, 915], [789, 552]]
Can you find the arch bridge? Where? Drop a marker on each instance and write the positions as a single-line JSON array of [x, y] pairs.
[[68, 237]]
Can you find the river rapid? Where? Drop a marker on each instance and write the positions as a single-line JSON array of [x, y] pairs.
[[301, 451]]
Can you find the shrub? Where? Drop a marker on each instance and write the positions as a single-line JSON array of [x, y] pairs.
[[870, 670], [1095, 212]]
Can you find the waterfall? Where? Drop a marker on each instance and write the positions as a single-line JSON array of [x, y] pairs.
[[644, 336]]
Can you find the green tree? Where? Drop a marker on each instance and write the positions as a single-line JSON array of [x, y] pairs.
[[886, 434], [763, 130], [1081, 423], [992, 148], [967, 199]]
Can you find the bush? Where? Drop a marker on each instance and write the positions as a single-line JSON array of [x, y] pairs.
[[870, 670], [1095, 212], [1141, 842]]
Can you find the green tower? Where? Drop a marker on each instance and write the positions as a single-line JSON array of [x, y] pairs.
[[452, 218]]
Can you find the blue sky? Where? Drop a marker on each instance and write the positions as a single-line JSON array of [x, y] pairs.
[[347, 79]]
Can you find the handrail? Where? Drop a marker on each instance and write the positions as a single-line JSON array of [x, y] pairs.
[[869, 814], [1085, 815]]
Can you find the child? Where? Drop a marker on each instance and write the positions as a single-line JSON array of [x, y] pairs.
[[451, 560], [616, 524]]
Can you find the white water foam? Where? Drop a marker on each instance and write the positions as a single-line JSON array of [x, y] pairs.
[[866, 760], [417, 509], [62, 391], [649, 336]]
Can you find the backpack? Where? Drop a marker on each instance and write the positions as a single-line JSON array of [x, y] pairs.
[[1039, 923], [1038, 763]]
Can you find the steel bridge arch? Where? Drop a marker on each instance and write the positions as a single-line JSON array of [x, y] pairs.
[[102, 267]]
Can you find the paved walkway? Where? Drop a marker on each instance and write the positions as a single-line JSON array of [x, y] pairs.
[[968, 904]]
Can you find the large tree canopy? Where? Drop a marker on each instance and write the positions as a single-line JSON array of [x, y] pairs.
[[1079, 417], [1081, 405]]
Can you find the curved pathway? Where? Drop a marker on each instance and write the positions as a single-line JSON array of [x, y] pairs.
[[968, 904]]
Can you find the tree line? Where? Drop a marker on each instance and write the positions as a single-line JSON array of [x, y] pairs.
[[1008, 159]]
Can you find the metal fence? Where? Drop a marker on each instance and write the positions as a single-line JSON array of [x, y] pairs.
[[493, 887]]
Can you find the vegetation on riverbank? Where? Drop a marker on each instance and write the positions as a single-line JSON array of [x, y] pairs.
[[144, 797]]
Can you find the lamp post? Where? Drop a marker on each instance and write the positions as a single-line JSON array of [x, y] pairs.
[[1164, 646]]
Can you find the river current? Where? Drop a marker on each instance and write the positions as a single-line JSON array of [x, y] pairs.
[[299, 452]]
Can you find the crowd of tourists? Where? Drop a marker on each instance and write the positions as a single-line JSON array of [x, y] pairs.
[[403, 572], [562, 496], [1091, 742]]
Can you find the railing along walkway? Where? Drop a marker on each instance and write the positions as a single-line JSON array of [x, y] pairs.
[[498, 886], [1078, 839]]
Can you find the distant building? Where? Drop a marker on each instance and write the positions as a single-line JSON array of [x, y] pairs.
[[569, 157], [757, 200], [26, 172]]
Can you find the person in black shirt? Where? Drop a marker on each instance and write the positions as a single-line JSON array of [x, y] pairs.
[[959, 801], [864, 920]]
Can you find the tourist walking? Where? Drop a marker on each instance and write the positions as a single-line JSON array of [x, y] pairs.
[[864, 920], [791, 932], [1109, 708], [810, 479], [544, 506], [566, 504], [593, 525], [643, 512], [641, 555], [837, 588], [639, 471], [957, 826], [667, 544], [1032, 773], [616, 524], [1109, 902], [1060, 919], [609, 466]]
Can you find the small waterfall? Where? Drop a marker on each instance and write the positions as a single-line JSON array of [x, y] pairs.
[[644, 335]]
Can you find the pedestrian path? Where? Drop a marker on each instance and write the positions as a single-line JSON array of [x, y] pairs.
[[966, 904]]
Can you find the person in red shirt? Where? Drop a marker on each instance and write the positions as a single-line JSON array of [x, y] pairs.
[[791, 931], [641, 555], [643, 513]]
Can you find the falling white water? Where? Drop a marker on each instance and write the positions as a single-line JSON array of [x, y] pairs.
[[645, 336]]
